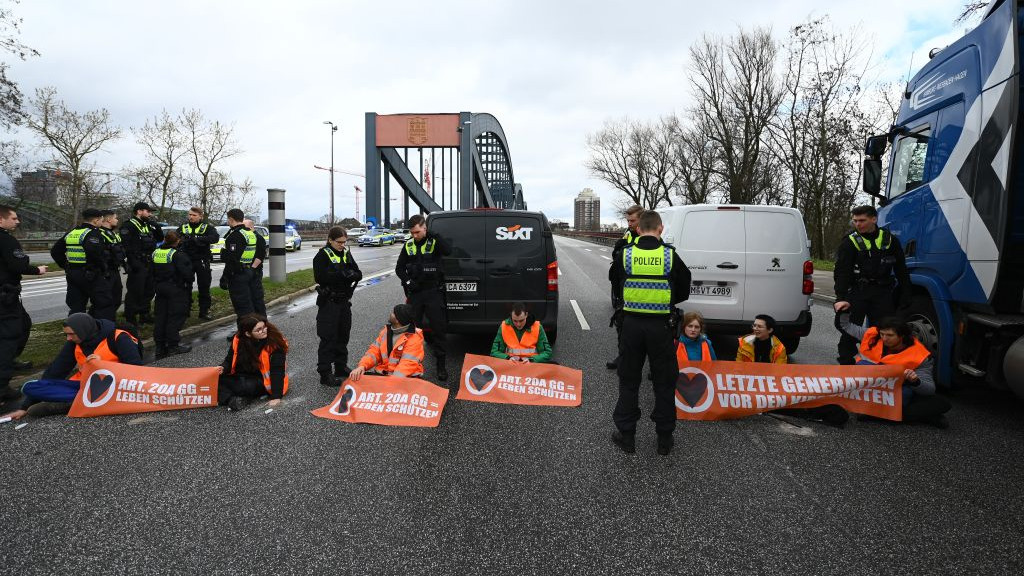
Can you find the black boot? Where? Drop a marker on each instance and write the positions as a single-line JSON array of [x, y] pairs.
[[205, 315], [328, 379], [625, 440], [442, 369], [341, 370], [179, 349], [161, 352], [665, 443]]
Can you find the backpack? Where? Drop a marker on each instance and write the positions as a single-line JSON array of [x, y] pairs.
[[132, 331]]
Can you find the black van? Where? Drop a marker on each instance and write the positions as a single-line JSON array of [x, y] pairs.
[[498, 257]]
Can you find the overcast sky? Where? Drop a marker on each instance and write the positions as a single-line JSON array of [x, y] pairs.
[[551, 72]]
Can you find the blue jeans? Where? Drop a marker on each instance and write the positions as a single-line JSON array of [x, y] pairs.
[[49, 391]]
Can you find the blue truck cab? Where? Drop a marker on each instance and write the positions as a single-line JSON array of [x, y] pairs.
[[954, 197]]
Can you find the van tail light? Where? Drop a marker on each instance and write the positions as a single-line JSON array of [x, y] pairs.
[[553, 276], [808, 277]]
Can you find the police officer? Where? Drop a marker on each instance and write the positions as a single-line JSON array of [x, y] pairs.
[[336, 273], [115, 257], [239, 255], [870, 275], [82, 253], [15, 322], [140, 236], [172, 275], [419, 267], [196, 238], [628, 238], [256, 282], [654, 280]]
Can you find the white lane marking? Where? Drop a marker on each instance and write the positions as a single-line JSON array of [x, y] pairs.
[[606, 257], [604, 249], [588, 249], [579, 315], [559, 271]]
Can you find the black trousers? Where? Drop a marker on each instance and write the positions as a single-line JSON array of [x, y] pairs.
[[15, 325], [240, 291], [171, 309], [430, 303], [259, 303], [924, 408], [116, 291], [87, 287], [646, 338], [203, 278], [871, 301], [244, 385], [140, 290], [333, 326]]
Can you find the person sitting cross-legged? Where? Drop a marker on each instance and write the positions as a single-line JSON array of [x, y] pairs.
[[87, 339], [397, 350], [521, 338], [255, 365]]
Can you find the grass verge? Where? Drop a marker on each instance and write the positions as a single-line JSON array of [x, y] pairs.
[[824, 265], [46, 338]]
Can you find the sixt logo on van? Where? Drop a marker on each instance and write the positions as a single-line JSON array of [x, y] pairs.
[[517, 232]]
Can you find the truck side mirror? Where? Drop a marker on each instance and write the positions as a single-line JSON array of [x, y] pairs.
[[875, 146], [873, 177]]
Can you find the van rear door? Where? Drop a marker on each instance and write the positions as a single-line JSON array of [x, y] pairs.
[[464, 270], [776, 252], [712, 244], [516, 264]]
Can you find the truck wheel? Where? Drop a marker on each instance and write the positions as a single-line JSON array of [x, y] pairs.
[[922, 318], [791, 343], [1013, 367]]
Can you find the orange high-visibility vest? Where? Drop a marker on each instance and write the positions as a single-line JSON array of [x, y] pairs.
[[264, 366], [405, 359], [102, 350], [745, 352], [910, 357], [524, 348], [682, 357]]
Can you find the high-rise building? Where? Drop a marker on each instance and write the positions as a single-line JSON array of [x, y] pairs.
[[587, 213]]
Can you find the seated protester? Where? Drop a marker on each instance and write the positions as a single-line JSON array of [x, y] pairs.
[[87, 339], [762, 345], [397, 351], [521, 338], [693, 344], [892, 342], [255, 364]]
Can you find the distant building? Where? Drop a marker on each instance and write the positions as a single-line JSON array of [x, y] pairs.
[[559, 225], [41, 186], [587, 213]]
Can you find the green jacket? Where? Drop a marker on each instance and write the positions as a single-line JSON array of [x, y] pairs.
[[498, 348]]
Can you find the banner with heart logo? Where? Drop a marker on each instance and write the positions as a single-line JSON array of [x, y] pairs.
[[113, 388], [387, 400], [488, 379], [724, 390]]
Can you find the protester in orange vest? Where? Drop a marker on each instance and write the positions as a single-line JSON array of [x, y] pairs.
[[87, 339], [693, 345], [397, 351], [521, 338], [256, 364], [762, 345], [892, 342]]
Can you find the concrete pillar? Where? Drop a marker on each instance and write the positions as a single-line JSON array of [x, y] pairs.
[[275, 215]]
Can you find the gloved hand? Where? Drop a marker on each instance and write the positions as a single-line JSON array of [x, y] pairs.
[[223, 282]]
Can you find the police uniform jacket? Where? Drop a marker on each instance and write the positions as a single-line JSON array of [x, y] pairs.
[[93, 244], [13, 260], [140, 237], [115, 249], [422, 270], [197, 239], [679, 277], [873, 263], [177, 270], [234, 247], [336, 279]]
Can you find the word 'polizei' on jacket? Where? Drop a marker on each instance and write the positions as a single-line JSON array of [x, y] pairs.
[[405, 359], [264, 363], [647, 289]]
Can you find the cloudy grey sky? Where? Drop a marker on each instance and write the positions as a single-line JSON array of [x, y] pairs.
[[551, 72]]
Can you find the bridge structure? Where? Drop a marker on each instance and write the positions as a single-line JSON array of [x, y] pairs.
[[440, 162]]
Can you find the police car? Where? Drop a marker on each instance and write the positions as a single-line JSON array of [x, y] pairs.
[[377, 237], [217, 250], [292, 240]]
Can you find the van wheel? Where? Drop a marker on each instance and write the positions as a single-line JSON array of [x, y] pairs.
[[791, 343]]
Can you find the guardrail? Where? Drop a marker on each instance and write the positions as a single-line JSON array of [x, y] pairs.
[[603, 238]]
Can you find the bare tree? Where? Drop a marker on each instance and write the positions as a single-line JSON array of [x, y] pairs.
[[210, 143], [164, 143], [695, 158], [73, 136], [223, 194], [637, 159], [10, 95], [970, 11], [736, 95]]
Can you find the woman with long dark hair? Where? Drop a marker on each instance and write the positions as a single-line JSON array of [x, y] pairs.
[[255, 364]]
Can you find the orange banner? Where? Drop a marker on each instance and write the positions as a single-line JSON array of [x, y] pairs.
[[114, 388], [489, 379], [724, 390], [387, 400]]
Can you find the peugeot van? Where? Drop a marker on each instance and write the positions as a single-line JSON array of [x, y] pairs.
[[498, 257], [744, 261]]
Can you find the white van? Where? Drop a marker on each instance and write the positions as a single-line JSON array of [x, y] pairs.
[[745, 261]]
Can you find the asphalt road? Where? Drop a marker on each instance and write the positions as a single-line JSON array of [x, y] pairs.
[[500, 489], [44, 297]]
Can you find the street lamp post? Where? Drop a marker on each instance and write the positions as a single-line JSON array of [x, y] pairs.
[[333, 130]]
